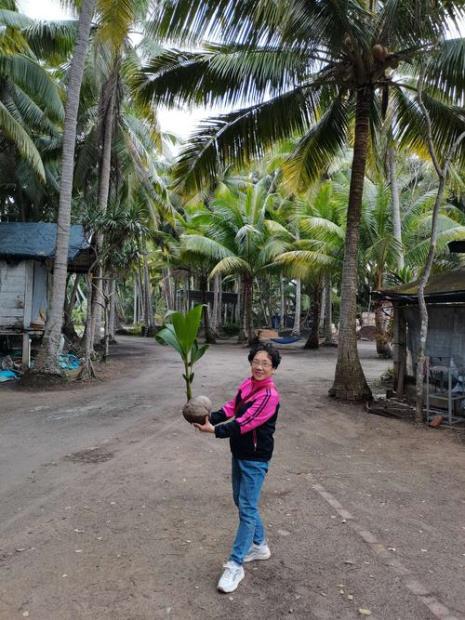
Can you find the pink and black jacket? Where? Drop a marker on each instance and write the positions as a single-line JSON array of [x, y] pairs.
[[249, 420]]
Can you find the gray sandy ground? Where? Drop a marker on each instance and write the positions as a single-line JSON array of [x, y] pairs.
[[111, 506]]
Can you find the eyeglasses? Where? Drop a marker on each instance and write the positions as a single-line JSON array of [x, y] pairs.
[[261, 364]]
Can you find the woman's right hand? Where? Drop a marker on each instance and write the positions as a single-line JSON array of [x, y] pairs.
[[206, 427]]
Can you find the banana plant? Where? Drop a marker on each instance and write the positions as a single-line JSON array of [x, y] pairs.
[[181, 334]]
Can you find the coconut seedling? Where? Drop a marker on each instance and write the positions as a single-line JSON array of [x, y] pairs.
[[181, 334]]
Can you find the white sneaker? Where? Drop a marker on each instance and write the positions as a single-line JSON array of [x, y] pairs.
[[258, 552], [232, 576]]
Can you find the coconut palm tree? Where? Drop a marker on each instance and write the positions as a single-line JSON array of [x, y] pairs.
[[315, 254], [323, 70], [239, 238], [47, 360], [115, 19], [416, 225], [31, 108], [117, 130], [379, 251]]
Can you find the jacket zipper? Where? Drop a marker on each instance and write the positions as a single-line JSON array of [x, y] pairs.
[[254, 440]]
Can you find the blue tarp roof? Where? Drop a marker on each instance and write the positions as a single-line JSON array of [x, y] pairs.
[[37, 240]]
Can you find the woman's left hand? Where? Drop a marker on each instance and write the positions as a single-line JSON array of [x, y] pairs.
[[206, 427]]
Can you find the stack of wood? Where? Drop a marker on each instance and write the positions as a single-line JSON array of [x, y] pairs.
[[392, 408], [264, 335]]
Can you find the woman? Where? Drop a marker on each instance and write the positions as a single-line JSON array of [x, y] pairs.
[[249, 422]]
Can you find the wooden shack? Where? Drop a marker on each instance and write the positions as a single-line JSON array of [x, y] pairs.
[[26, 265], [445, 300]]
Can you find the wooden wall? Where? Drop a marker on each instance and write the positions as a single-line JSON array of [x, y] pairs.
[[16, 282]]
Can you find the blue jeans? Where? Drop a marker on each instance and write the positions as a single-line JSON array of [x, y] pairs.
[[247, 482]]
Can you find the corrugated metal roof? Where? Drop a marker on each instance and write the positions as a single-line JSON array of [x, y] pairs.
[[37, 240]]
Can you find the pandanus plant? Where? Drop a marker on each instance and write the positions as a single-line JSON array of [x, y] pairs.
[[181, 334]]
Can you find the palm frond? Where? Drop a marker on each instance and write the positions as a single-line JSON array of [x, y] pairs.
[[304, 263], [32, 114], [321, 228], [12, 19], [226, 75], [20, 138], [278, 231], [447, 124], [445, 69], [241, 136], [417, 254], [116, 18], [203, 246], [34, 80], [316, 149], [230, 265], [52, 40], [407, 23]]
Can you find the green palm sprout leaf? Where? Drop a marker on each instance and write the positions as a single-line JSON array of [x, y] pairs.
[[186, 326], [167, 335], [181, 334]]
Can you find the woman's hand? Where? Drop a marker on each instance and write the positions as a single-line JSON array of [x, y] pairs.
[[206, 427]]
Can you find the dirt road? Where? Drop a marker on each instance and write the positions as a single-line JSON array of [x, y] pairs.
[[111, 506]]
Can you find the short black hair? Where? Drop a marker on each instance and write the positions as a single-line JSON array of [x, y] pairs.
[[268, 348]]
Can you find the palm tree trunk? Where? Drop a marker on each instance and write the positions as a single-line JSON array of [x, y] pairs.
[[109, 93], [216, 312], [265, 313], [298, 305], [248, 306], [68, 327], [219, 320], [241, 303], [313, 341], [48, 358], [282, 306], [328, 314], [349, 381], [135, 306], [149, 322], [383, 347], [106, 319], [209, 335], [323, 305], [187, 286], [112, 319], [167, 293], [395, 204], [176, 306], [442, 172], [87, 368], [141, 296], [421, 356], [238, 308]]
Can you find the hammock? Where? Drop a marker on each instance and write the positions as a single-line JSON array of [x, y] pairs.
[[286, 339]]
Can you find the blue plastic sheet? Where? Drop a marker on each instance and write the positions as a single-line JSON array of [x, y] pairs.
[[69, 361], [8, 375]]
